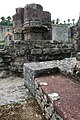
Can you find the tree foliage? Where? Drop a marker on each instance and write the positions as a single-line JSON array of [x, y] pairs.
[[6, 21]]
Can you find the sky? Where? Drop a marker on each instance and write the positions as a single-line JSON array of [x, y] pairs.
[[62, 9]]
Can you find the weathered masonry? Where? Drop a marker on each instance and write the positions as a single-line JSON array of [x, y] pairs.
[[57, 95], [13, 56], [60, 32], [32, 23], [4, 31], [32, 40]]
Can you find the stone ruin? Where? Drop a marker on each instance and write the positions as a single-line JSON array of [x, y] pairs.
[[60, 33], [6, 34], [32, 23], [12, 57], [55, 88], [32, 40], [32, 44], [78, 34]]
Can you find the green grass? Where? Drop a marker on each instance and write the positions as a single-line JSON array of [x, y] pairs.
[[2, 43]]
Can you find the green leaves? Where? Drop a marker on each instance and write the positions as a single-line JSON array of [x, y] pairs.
[[7, 21]]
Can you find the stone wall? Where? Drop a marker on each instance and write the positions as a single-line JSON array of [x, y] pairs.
[[36, 69], [4, 30], [60, 32], [16, 54], [77, 33], [31, 71], [32, 23]]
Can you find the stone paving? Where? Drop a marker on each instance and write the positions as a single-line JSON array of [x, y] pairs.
[[16, 102], [13, 90]]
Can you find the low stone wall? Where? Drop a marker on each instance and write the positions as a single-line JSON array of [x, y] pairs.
[[36, 69], [46, 106], [33, 70], [16, 54]]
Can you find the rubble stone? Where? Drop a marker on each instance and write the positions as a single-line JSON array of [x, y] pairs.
[[3, 74]]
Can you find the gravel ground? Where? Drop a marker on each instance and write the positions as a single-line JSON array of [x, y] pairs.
[[16, 103]]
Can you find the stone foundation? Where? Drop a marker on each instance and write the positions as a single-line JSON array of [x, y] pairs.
[[53, 91], [13, 56], [36, 69]]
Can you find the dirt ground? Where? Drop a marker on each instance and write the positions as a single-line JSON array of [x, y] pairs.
[[16, 103], [25, 111]]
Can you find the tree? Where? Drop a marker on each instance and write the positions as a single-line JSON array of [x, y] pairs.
[[68, 21], [64, 22], [57, 21], [53, 21], [73, 21], [3, 19], [8, 20]]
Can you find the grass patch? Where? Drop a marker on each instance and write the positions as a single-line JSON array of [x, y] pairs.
[[2, 43]]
